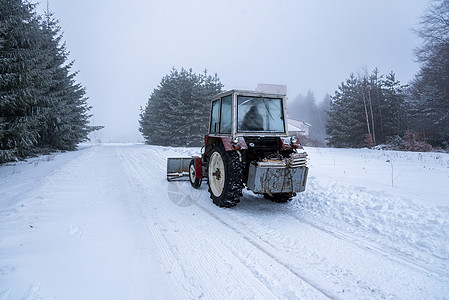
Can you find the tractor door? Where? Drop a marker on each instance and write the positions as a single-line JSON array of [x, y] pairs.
[[221, 116]]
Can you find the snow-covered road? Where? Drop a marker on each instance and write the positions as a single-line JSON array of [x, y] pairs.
[[103, 223]]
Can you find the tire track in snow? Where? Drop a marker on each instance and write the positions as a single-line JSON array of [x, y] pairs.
[[265, 252], [168, 240], [208, 250], [296, 273], [170, 264], [261, 209], [327, 294], [289, 270]]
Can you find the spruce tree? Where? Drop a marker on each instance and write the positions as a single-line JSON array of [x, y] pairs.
[[177, 112], [42, 107], [395, 109], [347, 126], [65, 123], [19, 79]]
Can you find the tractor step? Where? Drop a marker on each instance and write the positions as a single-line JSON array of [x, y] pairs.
[[178, 168]]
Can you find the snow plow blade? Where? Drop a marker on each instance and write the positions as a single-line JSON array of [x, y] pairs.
[[178, 168]]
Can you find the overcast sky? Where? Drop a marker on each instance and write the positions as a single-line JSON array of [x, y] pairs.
[[123, 48]]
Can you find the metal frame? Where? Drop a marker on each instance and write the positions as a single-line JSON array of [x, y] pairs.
[[234, 116]]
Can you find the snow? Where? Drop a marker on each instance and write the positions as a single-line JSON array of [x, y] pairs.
[[103, 223]]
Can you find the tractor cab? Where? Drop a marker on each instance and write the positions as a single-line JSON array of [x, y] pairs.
[[242, 113]]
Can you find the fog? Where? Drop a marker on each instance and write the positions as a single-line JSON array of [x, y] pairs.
[[122, 49]]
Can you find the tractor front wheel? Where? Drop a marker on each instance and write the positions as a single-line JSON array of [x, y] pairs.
[[225, 177], [195, 182]]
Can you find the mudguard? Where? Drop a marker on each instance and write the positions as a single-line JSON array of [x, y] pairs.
[[227, 142], [198, 167]]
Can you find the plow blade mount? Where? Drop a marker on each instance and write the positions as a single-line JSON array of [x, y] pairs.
[[178, 168]]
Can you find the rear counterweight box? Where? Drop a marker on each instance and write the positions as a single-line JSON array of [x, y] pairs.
[[269, 179]]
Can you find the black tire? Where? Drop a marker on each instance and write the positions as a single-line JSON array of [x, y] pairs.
[[195, 182], [225, 177], [279, 197]]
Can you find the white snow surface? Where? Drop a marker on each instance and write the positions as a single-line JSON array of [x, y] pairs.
[[104, 223]]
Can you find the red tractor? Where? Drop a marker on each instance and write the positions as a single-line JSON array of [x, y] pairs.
[[247, 145]]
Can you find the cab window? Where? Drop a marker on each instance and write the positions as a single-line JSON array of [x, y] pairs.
[[226, 112], [215, 117], [258, 114]]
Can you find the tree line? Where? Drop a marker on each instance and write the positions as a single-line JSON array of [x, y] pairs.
[[367, 109], [42, 107], [375, 109]]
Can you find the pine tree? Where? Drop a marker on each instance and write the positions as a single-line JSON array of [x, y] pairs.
[[19, 79], [347, 123], [394, 107], [177, 112]]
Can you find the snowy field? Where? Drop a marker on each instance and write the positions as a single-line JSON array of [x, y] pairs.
[[103, 223]]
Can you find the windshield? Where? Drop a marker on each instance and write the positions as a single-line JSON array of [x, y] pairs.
[[257, 114]]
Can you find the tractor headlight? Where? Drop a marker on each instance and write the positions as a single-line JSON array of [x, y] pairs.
[[294, 139], [235, 140]]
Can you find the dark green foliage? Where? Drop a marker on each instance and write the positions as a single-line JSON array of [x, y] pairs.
[[19, 91], [346, 127], [177, 112], [395, 119], [390, 115], [41, 106], [367, 110], [429, 101]]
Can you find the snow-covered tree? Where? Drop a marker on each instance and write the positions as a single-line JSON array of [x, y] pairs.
[[430, 88], [347, 124], [66, 119], [20, 40], [42, 107], [177, 112], [394, 108]]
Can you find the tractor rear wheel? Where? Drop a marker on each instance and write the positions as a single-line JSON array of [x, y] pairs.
[[225, 177]]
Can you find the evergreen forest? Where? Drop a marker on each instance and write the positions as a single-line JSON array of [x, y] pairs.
[[42, 106], [374, 109]]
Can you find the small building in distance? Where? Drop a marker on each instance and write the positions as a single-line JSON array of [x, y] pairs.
[[299, 129]]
